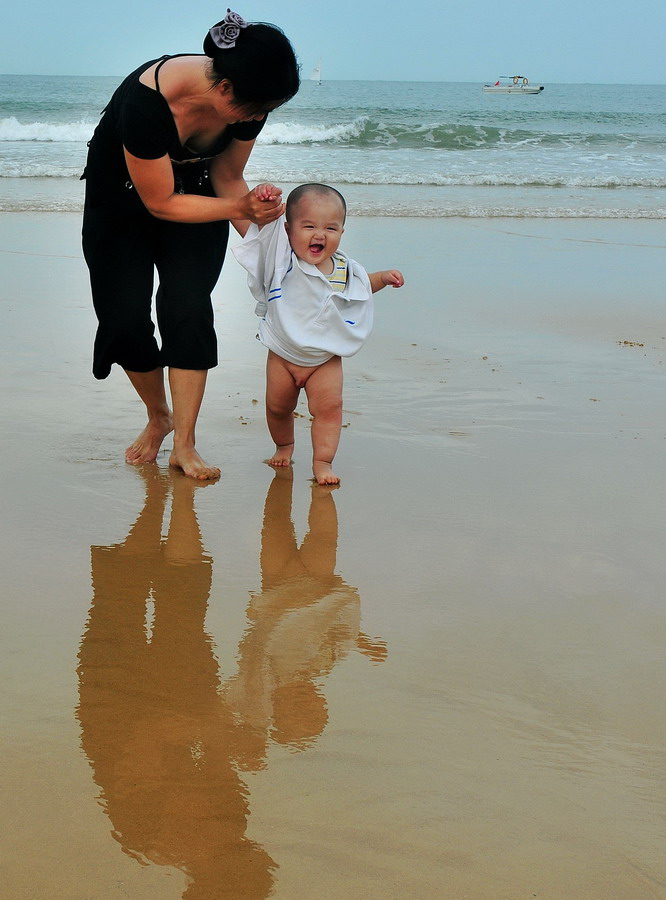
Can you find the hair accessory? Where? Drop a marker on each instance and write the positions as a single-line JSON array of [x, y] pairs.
[[226, 33]]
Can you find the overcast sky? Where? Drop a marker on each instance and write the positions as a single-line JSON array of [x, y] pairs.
[[418, 40]]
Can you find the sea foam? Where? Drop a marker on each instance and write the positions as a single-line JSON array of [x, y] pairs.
[[13, 130]]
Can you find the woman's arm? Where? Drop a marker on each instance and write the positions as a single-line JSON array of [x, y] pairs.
[[227, 174], [153, 180]]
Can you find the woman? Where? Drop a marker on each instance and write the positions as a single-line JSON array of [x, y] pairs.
[[164, 176]]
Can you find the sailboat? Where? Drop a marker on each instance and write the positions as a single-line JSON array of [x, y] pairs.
[[316, 73]]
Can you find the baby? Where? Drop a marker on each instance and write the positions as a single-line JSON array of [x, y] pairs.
[[316, 306]]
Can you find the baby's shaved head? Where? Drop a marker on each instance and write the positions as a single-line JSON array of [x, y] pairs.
[[316, 190]]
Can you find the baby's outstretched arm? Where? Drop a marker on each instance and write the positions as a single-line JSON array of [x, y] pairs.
[[379, 280]]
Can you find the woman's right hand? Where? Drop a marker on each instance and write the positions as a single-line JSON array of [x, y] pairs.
[[261, 211]]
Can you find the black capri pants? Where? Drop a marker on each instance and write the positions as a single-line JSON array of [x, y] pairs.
[[123, 244]]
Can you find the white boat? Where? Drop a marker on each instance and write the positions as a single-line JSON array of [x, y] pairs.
[[316, 73], [512, 84]]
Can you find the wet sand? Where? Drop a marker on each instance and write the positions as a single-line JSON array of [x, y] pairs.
[[444, 679]]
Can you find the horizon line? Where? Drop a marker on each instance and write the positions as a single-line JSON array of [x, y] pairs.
[[340, 80]]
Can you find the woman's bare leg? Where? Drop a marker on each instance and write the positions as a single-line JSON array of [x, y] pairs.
[[324, 391], [187, 390], [150, 387], [281, 398]]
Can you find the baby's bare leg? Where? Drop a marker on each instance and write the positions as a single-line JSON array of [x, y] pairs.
[[324, 391], [281, 398]]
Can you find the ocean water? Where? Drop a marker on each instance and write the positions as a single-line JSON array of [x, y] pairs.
[[393, 148]]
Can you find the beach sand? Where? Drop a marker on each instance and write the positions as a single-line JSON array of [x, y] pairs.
[[443, 680]]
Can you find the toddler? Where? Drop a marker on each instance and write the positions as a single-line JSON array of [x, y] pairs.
[[316, 306]]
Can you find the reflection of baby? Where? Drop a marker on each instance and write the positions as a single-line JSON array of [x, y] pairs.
[[316, 307], [302, 623]]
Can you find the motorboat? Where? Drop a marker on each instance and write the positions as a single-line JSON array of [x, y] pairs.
[[512, 84]]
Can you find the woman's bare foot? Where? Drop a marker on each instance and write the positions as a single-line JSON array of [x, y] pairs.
[[147, 445], [191, 464], [282, 455], [323, 472]]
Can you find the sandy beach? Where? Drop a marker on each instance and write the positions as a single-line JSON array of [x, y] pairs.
[[444, 679]]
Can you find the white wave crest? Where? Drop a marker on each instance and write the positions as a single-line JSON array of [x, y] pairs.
[[293, 133], [38, 170], [66, 132], [281, 171], [505, 212]]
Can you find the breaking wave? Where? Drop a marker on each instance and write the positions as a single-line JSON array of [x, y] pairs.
[[367, 131], [46, 132]]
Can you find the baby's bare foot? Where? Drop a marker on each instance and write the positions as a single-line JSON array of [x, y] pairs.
[[323, 473], [282, 455], [283, 473], [189, 461], [147, 445]]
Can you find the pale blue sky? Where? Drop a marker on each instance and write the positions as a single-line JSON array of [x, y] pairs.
[[418, 40]]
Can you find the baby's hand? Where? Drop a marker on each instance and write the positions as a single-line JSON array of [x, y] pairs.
[[392, 278], [268, 191]]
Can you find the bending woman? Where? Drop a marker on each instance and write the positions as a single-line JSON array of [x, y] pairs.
[[164, 176]]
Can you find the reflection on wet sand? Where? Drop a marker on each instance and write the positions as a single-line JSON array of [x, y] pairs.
[[303, 621], [164, 738], [158, 738]]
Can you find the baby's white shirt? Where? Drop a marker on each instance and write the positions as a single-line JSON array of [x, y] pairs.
[[303, 319]]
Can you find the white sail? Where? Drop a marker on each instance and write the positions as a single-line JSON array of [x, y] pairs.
[[316, 73]]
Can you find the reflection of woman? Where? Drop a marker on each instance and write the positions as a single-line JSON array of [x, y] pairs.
[[158, 737], [304, 620], [164, 176]]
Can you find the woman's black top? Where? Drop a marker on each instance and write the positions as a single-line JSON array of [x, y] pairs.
[[139, 119]]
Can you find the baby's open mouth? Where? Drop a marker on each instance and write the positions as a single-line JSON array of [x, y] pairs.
[[316, 248]]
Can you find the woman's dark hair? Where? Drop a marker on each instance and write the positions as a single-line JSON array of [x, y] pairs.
[[262, 67]]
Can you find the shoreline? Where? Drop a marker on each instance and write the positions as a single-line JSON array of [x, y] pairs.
[[520, 201]]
